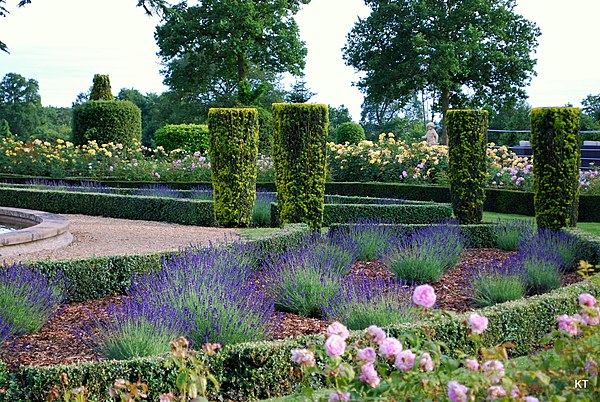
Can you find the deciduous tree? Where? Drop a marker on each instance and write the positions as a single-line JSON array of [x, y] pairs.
[[470, 52]]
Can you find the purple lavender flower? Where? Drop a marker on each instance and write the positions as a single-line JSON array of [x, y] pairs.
[[546, 241], [158, 190]]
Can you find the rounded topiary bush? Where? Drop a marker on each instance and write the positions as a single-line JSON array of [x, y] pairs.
[[191, 137], [119, 122], [350, 132]]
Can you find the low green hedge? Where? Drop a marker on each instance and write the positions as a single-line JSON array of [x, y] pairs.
[[589, 245], [251, 371], [395, 213], [182, 211]]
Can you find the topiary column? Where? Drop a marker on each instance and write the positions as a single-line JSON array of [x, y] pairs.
[[233, 152], [101, 88], [467, 162], [556, 154], [299, 155]]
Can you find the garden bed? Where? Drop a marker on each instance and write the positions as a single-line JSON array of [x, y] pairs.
[[59, 341]]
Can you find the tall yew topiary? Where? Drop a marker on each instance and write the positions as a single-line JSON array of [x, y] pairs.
[[233, 152], [299, 139], [101, 88], [467, 162], [555, 143]]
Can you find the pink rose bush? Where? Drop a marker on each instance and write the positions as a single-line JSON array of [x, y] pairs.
[[377, 366]]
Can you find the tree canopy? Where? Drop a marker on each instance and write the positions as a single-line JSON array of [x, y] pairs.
[[20, 104], [464, 52], [209, 49]]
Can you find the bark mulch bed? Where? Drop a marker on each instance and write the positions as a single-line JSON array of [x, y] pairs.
[[57, 342]]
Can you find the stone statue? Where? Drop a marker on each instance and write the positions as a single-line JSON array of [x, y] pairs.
[[431, 136]]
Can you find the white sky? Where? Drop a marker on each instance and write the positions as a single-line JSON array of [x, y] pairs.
[[63, 43]]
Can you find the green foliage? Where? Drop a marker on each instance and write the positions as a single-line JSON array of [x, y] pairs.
[[350, 132], [226, 43], [344, 213], [337, 116], [299, 155], [233, 150], [508, 234], [493, 58], [189, 137], [299, 93], [149, 105], [492, 287], [510, 117], [4, 129], [101, 88], [119, 122], [20, 104], [467, 162], [543, 275], [555, 143]]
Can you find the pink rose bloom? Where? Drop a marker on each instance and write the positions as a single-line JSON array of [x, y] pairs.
[[389, 348], [457, 392], [587, 300], [426, 363], [592, 319], [339, 396], [478, 323], [530, 399], [303, 357], [424, 296], [494, 392], [515, 392], [375, 334], [335, 346], [366, 355], [338, 329], [405, 360], [472, 364], [567, 324], [494, 370], [369, 375]]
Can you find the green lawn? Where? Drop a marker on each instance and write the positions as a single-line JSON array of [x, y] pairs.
[[591, 227]]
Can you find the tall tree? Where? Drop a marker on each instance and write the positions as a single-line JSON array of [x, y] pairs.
[[474, 51], [20, 104], [208, 50]]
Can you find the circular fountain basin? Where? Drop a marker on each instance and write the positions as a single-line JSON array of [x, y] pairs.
[[36, 230]]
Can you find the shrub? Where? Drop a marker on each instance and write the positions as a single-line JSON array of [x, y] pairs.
[[426, 253], [261, 214], [118, 122], [467, 162], [136, 329], [350, 132], [543, 272], [27, 298], [555, 143], [233, 149], [374, 238], [510, 233], [362, 302], [497, 284], [189, 137], [304, 279], [4, 129], [299, 155], [550, 242], [101, 89]]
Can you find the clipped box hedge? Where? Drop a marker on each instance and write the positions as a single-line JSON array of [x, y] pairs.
[[251, 371], [174, 210], [393, 213]]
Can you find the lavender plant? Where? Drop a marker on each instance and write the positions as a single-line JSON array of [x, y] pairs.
[[362, 302], [543, 270], [202, 193], [427, 253], [6, 331], [158, 190], [374, 238], [261, 214], [510, 233], [27, 298], [554, 242], [495, 283], [305, 278], [136, 329], [90, 187]]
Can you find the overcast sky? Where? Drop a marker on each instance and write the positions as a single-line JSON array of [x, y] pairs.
[[63, 43]]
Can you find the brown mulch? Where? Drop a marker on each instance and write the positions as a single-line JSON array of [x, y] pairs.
[[58, 342]]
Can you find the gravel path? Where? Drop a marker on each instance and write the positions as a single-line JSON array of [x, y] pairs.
[[98, 236]]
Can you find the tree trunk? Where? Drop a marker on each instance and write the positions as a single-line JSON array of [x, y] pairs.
[[445, 106], [241, 67]]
